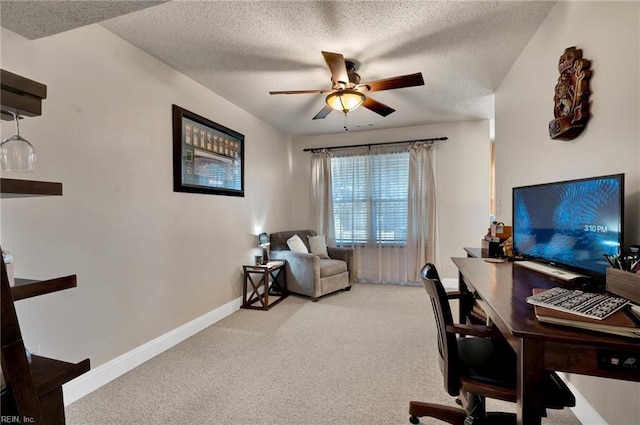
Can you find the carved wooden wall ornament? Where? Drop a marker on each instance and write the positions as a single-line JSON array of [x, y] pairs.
[[571, 100]]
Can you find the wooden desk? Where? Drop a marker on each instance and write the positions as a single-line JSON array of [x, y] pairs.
[[474, 252], [503, 289]]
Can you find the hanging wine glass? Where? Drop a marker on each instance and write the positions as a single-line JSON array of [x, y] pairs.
[[16, 153]]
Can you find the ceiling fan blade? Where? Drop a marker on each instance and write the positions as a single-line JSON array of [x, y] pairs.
[[377, 107], [323, 112], [338, 68], [300, 91], [410, 80]]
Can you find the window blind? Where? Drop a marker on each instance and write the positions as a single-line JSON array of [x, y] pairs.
[[370, 198]]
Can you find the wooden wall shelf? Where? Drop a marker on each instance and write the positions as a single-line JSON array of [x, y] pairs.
[[50, 373], [20, 95], [27, 288], [16, 188], [48, 377]]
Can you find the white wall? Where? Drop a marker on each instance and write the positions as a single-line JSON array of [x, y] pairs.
[[462, 177], [608, 34], [147, 259]]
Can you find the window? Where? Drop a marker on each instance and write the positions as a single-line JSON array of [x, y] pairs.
[[370, 198]]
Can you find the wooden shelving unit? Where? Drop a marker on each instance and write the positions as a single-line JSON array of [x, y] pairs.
[[27, 288], [20, 95], [48, 376], [34, 390], [15, 188]]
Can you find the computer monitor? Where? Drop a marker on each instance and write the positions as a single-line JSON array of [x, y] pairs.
[[571, 224]]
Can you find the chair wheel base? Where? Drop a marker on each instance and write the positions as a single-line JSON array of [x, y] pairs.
[[499, 418], [447, 414]]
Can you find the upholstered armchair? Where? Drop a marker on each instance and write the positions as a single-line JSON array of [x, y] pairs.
[[309, 273]]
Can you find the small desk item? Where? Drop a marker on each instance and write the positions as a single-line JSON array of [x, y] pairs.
[[258, 278], [494, 260], [621, 322], [504, 289], [588, 304]]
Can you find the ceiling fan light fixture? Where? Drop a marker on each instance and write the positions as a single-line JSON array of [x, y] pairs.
[[345, 100]]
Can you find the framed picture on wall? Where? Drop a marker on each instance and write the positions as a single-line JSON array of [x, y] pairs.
[[207, 157]]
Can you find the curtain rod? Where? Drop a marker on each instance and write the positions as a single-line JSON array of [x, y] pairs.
[[375, 144]]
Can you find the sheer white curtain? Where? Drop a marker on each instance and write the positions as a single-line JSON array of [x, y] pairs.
[[321, 214], [422, 220], [379, 200]]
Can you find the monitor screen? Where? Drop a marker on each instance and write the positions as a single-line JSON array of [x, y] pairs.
[[572, 224]]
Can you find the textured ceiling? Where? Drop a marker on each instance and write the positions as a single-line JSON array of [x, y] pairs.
[[241, 50], [37, 19]]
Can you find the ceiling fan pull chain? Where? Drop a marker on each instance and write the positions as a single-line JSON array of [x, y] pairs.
[[345, 122]]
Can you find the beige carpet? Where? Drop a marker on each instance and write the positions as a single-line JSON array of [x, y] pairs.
[[355, 357]]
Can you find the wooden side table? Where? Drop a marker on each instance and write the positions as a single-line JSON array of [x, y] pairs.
[[258, 278]]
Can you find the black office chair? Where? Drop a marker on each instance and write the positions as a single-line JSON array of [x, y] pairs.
[[475, 367]]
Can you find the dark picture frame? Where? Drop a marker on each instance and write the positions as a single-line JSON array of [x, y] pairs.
[[207, 157]]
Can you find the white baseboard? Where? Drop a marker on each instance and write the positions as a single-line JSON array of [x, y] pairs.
[[583, 410], [107, 372]]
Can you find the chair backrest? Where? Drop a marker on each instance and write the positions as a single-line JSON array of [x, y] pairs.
[[279, 239], [447, 345]]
